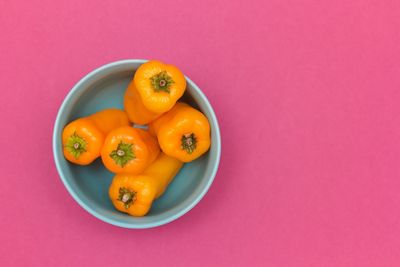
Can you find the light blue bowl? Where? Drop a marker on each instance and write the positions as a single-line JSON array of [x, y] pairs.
[[88, 185]]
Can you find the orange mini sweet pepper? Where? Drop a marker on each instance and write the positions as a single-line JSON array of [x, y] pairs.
[[159, 85], [129, 150], [134, 194], [183, 132]]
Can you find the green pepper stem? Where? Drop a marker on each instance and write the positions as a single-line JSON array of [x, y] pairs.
[[126, 196], [189, 142], [123, 154], [76, 145], [161, 82]]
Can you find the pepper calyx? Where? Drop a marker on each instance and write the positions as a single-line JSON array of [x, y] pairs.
[[123, 154], [126, 196], [76, 145], [189, 142], [161, 82]]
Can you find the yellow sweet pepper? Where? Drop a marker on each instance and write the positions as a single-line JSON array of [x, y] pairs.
[[183, 132], [134, 194]]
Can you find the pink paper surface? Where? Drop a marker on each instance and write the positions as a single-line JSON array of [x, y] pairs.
[[307, 93]]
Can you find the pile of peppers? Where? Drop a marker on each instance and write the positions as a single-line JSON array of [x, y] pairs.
[[144, 161]]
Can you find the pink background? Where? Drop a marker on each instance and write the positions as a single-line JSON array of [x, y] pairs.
[[307, 93]]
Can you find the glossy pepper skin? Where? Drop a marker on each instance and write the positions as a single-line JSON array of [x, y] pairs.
[[83, 138], [134, 107], [129, 150], [183, 132], [134, 194], [159, 85]]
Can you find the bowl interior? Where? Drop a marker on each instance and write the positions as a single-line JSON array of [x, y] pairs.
[[104, 88]]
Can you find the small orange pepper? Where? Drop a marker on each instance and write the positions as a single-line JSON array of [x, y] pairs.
[[159, 85], [183, 132], [129, 150], [134, 194], [83, 138]]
